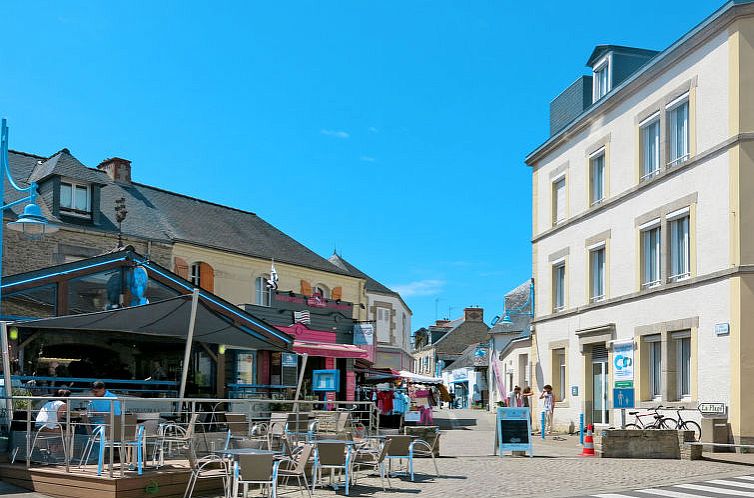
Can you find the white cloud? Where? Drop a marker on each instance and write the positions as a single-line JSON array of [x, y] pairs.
[[335, 133], [368, 159], [372, 129], [419, 288]]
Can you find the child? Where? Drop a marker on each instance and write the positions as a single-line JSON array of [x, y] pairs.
[[548, 406]]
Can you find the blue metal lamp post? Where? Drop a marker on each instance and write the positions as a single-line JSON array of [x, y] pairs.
[[520, 310], [31, 222]]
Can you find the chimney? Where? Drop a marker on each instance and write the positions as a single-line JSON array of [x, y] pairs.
[[473, 314], [442, 323], [119, 170]]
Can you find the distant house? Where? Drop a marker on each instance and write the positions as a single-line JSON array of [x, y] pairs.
[[391, 317], [467, 376], [443, 343]]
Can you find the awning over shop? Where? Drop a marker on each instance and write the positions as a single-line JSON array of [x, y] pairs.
[[419, 379], [171, 318], [329, 350]]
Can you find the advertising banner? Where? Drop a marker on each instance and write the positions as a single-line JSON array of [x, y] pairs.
[[623, 363], [363, 334]]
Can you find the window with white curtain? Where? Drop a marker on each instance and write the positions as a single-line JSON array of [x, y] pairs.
[[263, 294], [563, 380], [650, 148], [654, 344], [597, 274], [75, 197], [602, 81], [679, 248], [558, 286], [597, 177], [559, 201], [678, 129], [650, 256]]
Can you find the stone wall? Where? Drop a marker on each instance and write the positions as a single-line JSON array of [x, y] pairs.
[[22, 254], [647, 443]]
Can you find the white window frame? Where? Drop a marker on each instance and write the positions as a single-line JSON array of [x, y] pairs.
[[555, 203], [671, 109], [69, 210], [593, 296], [644, 231], [679, 338], [262, 293], [562, 373], [605, 65], [195, 274], [674, 219], [322, 290], [558, 284], [653, 120], [600, 154], [654, 345]]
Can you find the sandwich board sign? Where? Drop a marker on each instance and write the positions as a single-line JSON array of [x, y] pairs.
[[513, 430]]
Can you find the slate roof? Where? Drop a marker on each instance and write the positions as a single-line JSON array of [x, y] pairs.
[[468, 358], [516, 299], [162, 215], [372, 285], [460, 336]]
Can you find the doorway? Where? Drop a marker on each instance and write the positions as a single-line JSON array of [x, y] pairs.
[[600, 387]]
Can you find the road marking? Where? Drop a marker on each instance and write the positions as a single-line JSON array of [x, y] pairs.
[[667, 492], [745, 478], [710, 489], [737, 484], [612, 495]]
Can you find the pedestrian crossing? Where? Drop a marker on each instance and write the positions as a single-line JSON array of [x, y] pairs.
[[714, 488]]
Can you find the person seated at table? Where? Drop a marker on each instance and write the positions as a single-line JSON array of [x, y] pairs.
[[52, 413], [99, 409]]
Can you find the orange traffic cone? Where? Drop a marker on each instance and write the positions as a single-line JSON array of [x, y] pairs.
[[588, 443]]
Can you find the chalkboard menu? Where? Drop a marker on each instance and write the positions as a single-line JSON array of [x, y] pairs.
[[513, 430]]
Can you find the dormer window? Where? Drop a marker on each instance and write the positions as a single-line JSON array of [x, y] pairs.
[[602, 80], [75, 199]]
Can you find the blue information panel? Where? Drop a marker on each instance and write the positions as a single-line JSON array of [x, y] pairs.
[[326, 380], [513, 429], [623, 398]]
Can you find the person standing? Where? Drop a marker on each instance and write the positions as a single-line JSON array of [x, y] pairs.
[[548, 406], [514, 398]]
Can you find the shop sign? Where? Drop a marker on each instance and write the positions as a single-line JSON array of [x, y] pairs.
[[460, 374], [711, 409], [290, 360], [623, 362], [624, 384], [513, 428], [363, 334]]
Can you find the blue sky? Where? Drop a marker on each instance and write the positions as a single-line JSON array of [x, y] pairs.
[[392, 130]]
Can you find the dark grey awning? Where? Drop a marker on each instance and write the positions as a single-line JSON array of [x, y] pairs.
[[168, 318]]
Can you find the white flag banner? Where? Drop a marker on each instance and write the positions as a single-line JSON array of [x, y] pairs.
[[302, 317], [272, 282]]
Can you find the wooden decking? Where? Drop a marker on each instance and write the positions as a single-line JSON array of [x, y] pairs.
[[166, 482]]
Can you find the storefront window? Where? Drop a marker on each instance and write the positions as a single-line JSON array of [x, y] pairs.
[[245, 367]]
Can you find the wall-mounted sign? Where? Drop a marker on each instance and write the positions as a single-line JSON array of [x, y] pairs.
[[722, 329], [326, 380], [513, 430], [623, 362], [289, 360], [712, 409], [574, 390], [363, 334]]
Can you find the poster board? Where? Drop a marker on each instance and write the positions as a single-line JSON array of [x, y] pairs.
[[289, 369], [326, 380], [513, 430]]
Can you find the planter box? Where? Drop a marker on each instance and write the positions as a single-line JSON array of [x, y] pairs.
[[646, 443]]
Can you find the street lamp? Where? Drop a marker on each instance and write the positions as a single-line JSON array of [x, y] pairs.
[[32, 223], [520, 310]]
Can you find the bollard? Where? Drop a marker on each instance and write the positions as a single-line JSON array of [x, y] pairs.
[[581, 429], [543, 424]]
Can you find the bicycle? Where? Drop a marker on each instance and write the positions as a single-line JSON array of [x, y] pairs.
[[660, 421], [688, 425]]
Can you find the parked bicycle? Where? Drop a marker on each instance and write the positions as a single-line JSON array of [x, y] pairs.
[[688, 425], [659, 421]]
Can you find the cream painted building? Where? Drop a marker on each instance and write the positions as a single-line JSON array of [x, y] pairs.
[[643, 228]]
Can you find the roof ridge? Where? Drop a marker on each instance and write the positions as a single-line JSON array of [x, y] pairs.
[[191, 197], [27, 154]]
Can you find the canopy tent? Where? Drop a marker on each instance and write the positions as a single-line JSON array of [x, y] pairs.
[[171, 318], [186, 317], [419, 379]]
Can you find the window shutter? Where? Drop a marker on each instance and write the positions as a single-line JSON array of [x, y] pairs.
[[337, 293], [306, 288], [180, 267], [207, 277]]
